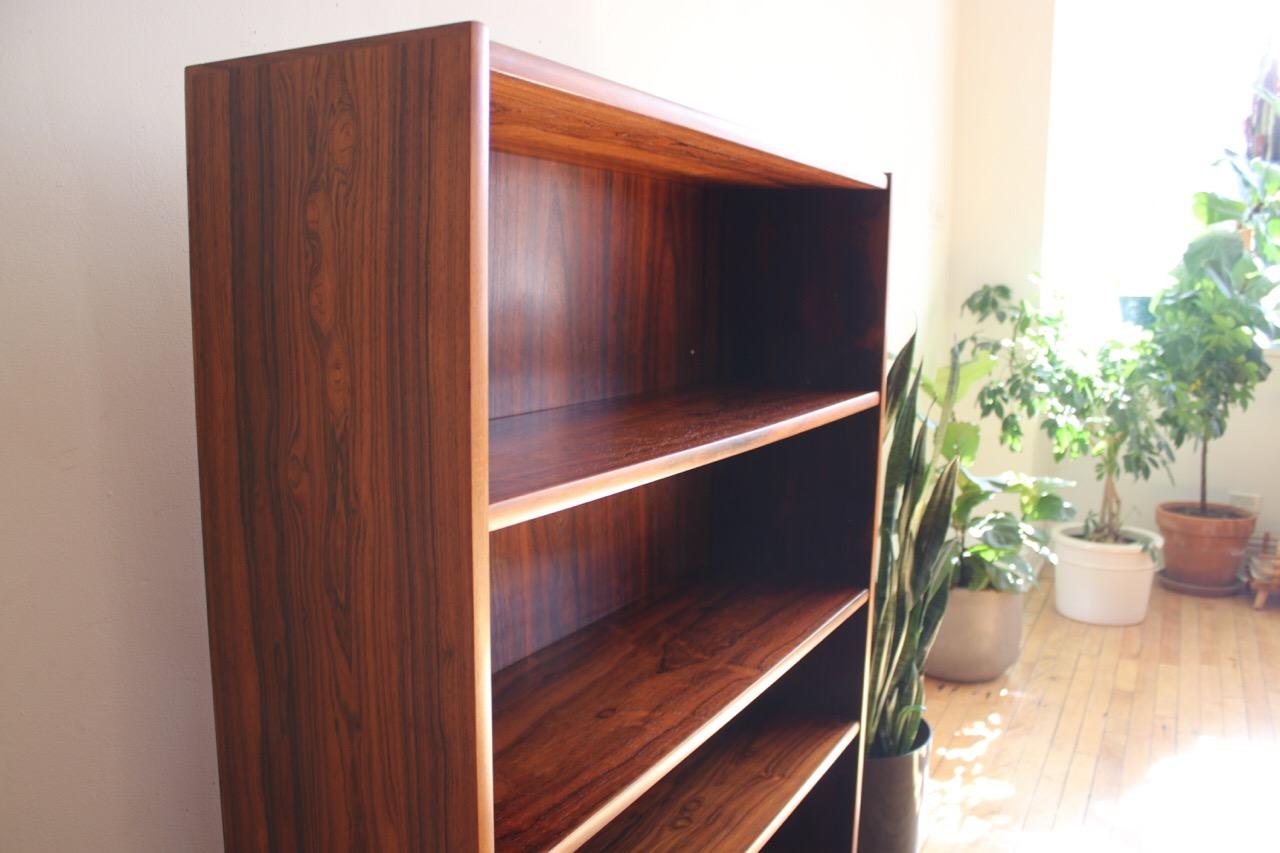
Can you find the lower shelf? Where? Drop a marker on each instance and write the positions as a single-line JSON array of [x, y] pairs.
[[584, 727], [736, 791]]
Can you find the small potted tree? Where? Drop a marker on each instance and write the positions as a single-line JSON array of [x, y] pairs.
[[1210, 328], [1098, 406], [981, 631]]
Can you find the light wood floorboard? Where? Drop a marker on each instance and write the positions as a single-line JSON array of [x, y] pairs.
[[1159, 736]]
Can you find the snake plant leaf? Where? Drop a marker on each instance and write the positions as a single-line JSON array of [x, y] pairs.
[[897, 379], [937, 605], [918, 471], [935, 525], [898, 464], [914, 566]]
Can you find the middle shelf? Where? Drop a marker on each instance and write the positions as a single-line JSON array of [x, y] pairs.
[[545, 461], [585, 726]]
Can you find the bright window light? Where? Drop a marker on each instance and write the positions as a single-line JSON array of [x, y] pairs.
[[1145, 99]]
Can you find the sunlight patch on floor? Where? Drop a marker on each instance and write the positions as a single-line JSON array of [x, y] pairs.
[[1219, 794]]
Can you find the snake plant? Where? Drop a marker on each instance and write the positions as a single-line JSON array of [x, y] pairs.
[[917, 553]]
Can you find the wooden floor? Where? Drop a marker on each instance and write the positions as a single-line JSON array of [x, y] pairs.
[[1160, 736]]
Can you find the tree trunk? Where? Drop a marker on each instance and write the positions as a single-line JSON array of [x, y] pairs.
[[1204, 476], [1109, 514]]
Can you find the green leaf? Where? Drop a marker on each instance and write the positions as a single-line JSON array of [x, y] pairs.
[[1048, 507], [1001, 532], [1213, 253], [897, 380], [969, 373], [968, 498], [960, 441], [1211, 207]]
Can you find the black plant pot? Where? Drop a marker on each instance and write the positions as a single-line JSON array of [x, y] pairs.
[[892, 798]]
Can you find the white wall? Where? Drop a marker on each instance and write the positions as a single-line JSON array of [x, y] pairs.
[[1002, 68], [106, 731], [1082, 129], [1142, 106]]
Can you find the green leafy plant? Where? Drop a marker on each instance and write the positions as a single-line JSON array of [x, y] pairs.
[[993, 543], [1211, 325], [1098, 405], [916, 556]]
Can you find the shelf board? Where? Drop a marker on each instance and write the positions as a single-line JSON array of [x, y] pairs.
[[546, 461], [546, 109], [585, 726], [736, 791]]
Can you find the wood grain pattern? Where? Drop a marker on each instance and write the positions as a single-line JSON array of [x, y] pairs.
[[734, 792], [554, 575], [590, 268], [546, 461], [822, 823], [585, 726], [545, 109], [790, 505], [809, 275], [338, 229], [639, 266]]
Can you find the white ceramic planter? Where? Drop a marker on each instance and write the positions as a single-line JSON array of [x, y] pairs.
[[1102, 583], [979, 638]]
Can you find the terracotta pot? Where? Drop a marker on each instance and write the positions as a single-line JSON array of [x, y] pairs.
[[893, 798], [1204, 551], [979, 638]]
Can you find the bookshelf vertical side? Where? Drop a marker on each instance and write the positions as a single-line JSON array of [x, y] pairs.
[[338, 214], [878, 281]]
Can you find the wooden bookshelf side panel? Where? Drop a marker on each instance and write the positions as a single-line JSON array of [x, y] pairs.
[[338, 237]]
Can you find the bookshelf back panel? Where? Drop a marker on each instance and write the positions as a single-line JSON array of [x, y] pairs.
[[792, 510], [556, 574], [600, 284], [606, 283], [806, 303], [801, 507]]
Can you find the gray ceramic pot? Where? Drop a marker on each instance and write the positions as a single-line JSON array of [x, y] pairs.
[[892, 799], [979, 638]]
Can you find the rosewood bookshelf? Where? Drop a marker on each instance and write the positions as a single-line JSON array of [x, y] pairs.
[[538, 425]]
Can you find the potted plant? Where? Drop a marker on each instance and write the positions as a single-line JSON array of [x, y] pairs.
[[1098, 406], [913, 573], [981, 631], [1210, 329]]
